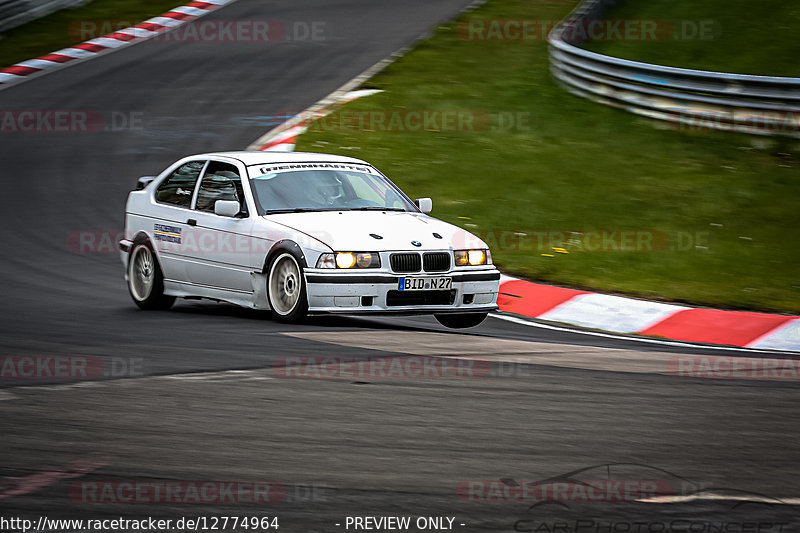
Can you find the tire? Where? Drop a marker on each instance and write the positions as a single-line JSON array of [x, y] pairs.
[[461, 320], [286, 289], [146, 281]]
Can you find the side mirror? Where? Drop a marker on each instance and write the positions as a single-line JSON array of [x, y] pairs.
[[425, 204], [227, 208], [143, 182]]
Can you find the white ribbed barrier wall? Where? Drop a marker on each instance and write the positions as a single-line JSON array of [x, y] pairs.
[[763, 105], [16, 12]]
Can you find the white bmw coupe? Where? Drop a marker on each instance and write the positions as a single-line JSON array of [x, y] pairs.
[[299, 234]]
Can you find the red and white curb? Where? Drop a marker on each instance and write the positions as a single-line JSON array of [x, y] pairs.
[[761, 331], [283, 138], [113, 41], [617, 314]]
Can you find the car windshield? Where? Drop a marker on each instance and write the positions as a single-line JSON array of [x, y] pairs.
[[286, 191]]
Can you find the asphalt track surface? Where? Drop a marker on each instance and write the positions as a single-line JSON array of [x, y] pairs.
[[204, 404]]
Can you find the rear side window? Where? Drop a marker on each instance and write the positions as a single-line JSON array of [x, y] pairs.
[[220, 182], [178, 188]]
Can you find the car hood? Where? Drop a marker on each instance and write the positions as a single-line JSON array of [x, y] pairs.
[[351, 230]]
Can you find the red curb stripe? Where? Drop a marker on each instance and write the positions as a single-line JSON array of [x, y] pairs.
[[150, 26], [532, 299], [290, 140], [177, 15], [737, 328], [89, 47], [120, 36], [57, 58], [20, 70]]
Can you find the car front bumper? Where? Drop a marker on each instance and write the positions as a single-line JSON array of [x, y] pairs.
[[361, 292]]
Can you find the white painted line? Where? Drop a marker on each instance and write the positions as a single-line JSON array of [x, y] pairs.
[[6, 396], [712, 496], [362, 93], [209, 376], [531, 323]]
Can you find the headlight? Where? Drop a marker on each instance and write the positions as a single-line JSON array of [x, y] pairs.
[[349, 260], [345, 260], [326, 261], [472, 257]]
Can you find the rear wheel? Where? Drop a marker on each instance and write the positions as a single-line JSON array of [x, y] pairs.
[[287, 289], [461, 320], [145, 280]]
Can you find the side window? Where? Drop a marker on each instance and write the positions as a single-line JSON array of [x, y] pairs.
[[220, 182], [178, 188]]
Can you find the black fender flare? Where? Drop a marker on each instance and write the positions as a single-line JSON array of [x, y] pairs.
[[284, 245], [142, 238]]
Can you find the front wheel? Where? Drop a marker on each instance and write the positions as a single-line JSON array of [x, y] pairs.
[[287, 289], [145, 280], [461, 320]]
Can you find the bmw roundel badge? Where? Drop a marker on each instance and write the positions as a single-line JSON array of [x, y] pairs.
[[416, 243]]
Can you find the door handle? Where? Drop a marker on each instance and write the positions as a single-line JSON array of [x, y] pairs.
[[192, 222]]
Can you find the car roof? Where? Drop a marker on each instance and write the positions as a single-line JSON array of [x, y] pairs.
[[251, 157]]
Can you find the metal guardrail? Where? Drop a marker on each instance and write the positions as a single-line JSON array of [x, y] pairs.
[[692, 99], [16, 12]]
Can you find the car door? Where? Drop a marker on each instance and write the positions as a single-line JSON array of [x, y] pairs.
[[168, 217], [221, 256]]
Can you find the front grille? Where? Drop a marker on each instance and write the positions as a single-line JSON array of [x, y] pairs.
[[436, 262], [398, 298], [406, 262]]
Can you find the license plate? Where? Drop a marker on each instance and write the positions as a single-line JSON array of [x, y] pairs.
[[425, 284]]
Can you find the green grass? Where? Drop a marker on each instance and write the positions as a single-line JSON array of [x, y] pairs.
[[579, 166], [72, 26], [744, 36]]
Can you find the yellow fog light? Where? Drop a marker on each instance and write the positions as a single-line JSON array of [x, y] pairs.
[[365, 260], [345, 260]]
